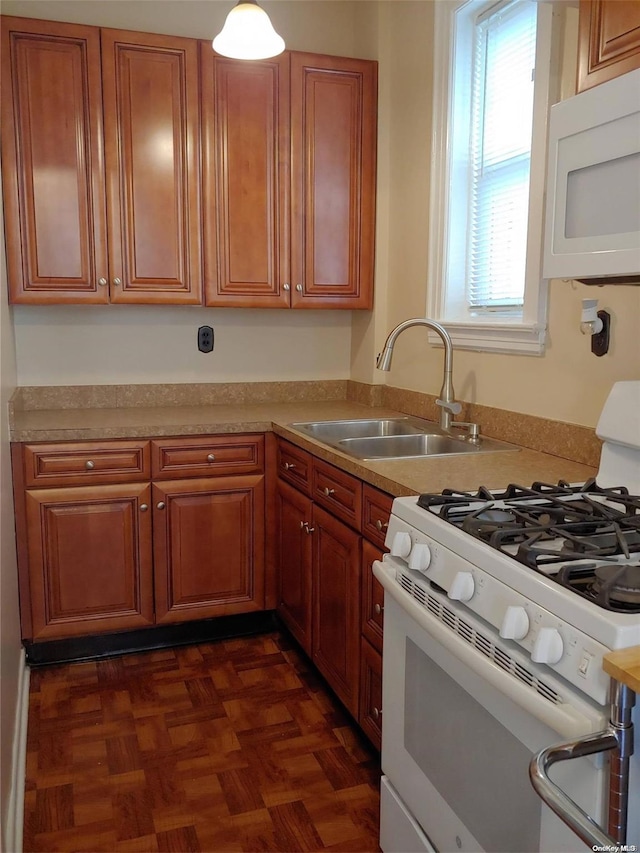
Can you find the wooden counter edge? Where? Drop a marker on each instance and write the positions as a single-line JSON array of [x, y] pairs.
[[624, 666]]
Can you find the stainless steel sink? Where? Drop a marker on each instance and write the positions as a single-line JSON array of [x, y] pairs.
[[333, 431], [408, 446], [396, 438]]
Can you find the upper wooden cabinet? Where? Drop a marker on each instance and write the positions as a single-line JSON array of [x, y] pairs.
[[100, 164], [609, 40], [289, 150]]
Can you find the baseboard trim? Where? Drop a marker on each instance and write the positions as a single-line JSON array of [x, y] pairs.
[[15, 811]]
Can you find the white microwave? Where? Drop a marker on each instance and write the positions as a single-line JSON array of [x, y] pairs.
[[592, 227]]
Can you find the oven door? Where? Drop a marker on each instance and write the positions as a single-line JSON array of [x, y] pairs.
[[460, 728]]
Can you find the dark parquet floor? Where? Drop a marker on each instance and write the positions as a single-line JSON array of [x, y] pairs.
[[233, 745]]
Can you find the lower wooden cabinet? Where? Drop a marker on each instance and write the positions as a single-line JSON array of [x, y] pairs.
[[89, 560], [336, 605], [370, 716], [294, 549], [164, 531], [208, 539]]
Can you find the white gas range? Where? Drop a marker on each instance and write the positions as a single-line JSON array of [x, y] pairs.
[[499, 607]]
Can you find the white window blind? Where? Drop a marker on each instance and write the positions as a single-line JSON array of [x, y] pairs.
[[500, 156]]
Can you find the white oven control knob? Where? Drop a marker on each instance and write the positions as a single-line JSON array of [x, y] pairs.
[[401, 544], [515, 623], [462, 587], [420, 557], [548, 647]]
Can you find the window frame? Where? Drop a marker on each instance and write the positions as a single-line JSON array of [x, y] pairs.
[[523, 333]]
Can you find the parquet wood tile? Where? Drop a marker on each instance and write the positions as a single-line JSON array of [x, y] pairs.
[[229, 746]]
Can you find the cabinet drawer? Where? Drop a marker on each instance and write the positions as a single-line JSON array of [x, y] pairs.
[[85, 463], [372, 597], [294, 466], [376, 509], [215, 455], [337, 491]]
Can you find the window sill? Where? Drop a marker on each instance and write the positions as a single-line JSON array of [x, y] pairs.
[[518, 338]]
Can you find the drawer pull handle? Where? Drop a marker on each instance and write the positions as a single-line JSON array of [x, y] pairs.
[[211, 457], [328, 492], [377, 609], [381, 525], [144, 507], [376, 713], [89, 465], [289, 465], [161, 505]]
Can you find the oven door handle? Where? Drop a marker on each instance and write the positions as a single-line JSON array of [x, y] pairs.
[[559, 802]]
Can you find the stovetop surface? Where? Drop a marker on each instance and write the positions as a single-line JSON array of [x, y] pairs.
[[584, 537]]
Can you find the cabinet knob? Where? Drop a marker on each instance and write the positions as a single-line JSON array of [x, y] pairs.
[[304, 525], [289, 465], [211, 457], [117, 281], [299, 288], [89, 465], [381, 525], [328, 492], [103, 281], [161, 505], [144, 507], [376, 713], [377, 609], [286, 287]]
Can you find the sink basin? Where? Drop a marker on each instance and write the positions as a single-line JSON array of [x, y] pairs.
[[333, 431], [408, 446], [395, 438]]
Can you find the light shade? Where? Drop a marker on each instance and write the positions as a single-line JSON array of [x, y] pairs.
[[248, 34]]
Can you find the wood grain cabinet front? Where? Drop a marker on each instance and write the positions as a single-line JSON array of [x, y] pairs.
[[289, 151], [208, 547], [89, 560], [370, 717], [608, 40], [294, 548], [100, 164]]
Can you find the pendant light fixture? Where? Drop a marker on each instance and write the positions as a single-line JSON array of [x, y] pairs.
[[248, 33]]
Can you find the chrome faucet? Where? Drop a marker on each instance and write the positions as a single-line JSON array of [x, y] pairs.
[[447, 402]]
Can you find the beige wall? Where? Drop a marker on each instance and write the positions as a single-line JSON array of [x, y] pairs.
[[568, 383]]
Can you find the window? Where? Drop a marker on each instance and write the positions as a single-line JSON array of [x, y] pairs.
[[492, 79]]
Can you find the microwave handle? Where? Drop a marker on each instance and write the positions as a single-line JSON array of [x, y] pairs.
[[617, 736]]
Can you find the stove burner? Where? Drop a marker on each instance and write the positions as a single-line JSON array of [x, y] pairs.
[[613, 586], [548, 526], [620, 583]]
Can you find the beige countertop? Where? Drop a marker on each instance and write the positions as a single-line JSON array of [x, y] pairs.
[[398, 477], [624, 666]]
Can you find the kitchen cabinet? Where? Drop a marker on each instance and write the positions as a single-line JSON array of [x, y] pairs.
[[124, 534], [83, 528], [100, 165], [289, 148], [328, 597], [608, 40]]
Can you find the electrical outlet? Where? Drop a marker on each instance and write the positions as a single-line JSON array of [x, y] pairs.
[[205, 339]]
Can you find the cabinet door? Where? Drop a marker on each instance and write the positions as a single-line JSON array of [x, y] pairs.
[[336, 606], [89, 557], [294, 555], [245, 108], [370, 718], [333, 154], [609, 40], [372, 597], [52, 162], [150, 85], [208, 538]]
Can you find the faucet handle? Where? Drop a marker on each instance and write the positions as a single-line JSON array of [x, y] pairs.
[[453, 406]]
